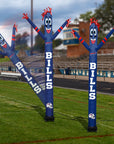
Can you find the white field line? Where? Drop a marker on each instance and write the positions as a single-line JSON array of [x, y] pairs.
[[111, 127], [21, 102], [29, 104], [69, 115]]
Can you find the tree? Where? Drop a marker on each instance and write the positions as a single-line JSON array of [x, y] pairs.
[[57, 42], [105, 15], [39, 42], [21, 41], [86, 17]]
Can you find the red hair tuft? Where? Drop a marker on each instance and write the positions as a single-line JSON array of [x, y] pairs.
[[93, 20], [47, 10]]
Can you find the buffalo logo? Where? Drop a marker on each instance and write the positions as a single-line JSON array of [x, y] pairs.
[[92, 116], [49, 105]]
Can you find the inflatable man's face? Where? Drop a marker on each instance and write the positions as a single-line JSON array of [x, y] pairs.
[[48, 23], [93, 33], [2, 42], [47, 16], [94, 28]]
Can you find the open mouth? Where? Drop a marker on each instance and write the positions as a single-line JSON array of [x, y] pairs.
[[93, 41], [48, 30], [4, 44]]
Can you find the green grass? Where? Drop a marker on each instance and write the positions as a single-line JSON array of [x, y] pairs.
[[4, 59], [22, 117]]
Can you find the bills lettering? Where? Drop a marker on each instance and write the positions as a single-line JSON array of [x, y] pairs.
[[48, 70], [92, 82], [29, 78]]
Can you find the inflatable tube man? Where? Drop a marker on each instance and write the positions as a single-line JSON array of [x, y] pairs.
[[9, 51], [48, 38], [92, 48]]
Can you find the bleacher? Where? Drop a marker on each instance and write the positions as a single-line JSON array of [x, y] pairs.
[[104, 62], [35, 64]]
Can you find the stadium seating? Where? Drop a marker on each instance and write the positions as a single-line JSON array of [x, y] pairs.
[[36, 63]]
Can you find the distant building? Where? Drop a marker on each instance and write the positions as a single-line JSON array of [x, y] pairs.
[[74, 47], [107, 49], [60, 50]]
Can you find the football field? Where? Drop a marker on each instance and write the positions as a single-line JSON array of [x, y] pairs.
[[22, 117]]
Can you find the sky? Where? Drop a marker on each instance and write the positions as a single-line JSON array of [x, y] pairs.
[[11, 11]]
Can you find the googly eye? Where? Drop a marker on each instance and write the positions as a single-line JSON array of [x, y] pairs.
[[3, 43], [50, 22], [46, 21], [91, 32], [95, 32], [1, 38]]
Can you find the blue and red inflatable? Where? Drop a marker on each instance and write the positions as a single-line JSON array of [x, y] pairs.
[[48, 37], [10, 52], [92, 48]]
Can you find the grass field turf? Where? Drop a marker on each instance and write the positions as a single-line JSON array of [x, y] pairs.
[[22, 117], [4, 59]]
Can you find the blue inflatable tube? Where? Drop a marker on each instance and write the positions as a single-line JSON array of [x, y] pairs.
[[48, 37], [92, 48], [9, 51]]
